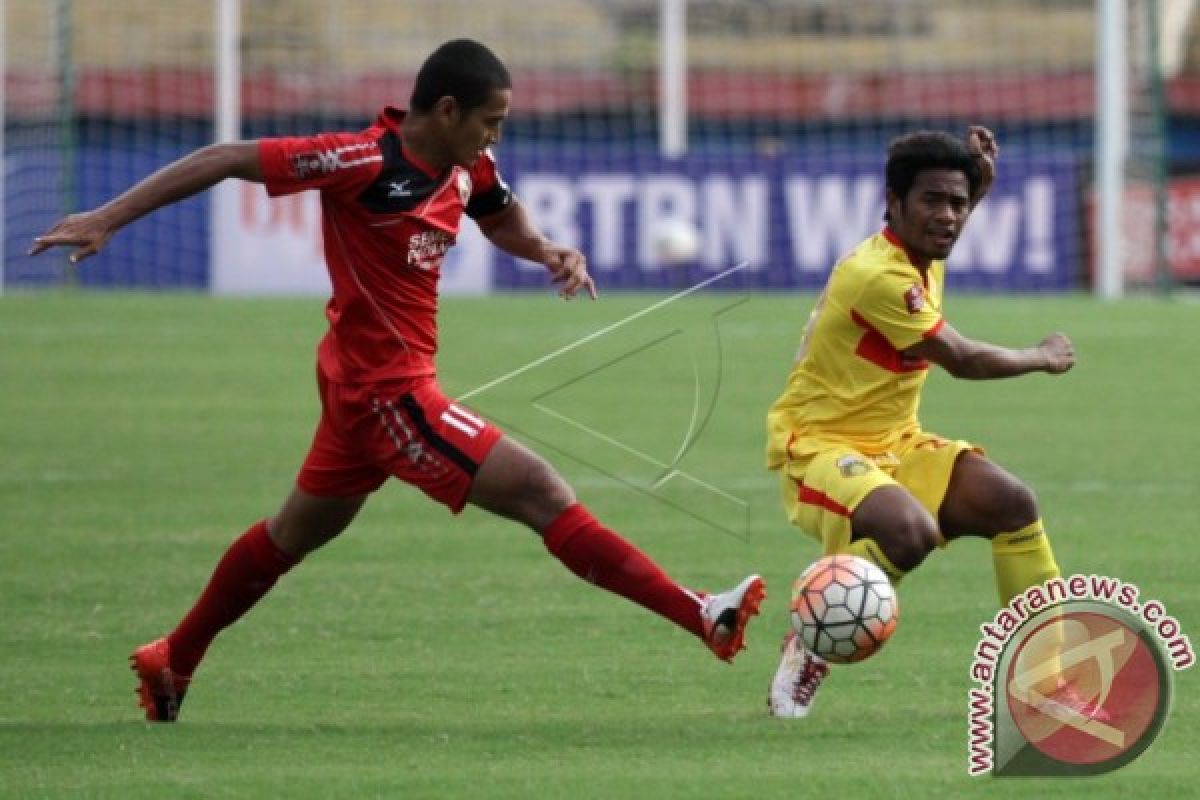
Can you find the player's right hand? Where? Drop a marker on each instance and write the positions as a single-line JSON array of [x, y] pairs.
[[1059, 353], [568, 268], [87, 231]]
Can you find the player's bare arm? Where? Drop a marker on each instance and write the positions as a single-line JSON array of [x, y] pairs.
[[513, 232], [981, 143], [974, 360], [89, 231]]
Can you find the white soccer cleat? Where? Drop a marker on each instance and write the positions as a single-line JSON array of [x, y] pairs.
[[796, 681], [725, 616]]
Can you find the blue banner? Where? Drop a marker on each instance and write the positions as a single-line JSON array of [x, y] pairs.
[[164, 250], [790, 218]]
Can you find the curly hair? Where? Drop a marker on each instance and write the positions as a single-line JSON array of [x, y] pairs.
[[913, 153]]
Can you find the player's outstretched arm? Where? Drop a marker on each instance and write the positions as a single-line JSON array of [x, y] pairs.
[[981, 143], [88, 231], [975, 360], [513, 232]]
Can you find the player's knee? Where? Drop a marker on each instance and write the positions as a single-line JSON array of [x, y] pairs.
[[1017, 507], [543, 488], [911, 537]]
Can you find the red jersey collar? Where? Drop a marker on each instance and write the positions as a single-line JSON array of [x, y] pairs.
[[895, 241], [891, 236], [391, 118]]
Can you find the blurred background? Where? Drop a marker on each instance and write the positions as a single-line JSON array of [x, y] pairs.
[[762, 124]]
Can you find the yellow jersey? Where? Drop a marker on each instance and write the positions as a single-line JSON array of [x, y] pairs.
[[851, 383]]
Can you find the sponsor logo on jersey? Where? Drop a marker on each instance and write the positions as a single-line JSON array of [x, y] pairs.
[[427, 249], [322, 162], [306, 165]]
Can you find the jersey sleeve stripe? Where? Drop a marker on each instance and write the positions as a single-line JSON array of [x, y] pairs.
[[466, 416], [360, 146], [354, 163], [875, 347]]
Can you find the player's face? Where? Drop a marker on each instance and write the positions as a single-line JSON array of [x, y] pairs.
[[930, 218], [470, 133]]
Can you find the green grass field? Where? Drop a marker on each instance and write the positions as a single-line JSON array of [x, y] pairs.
[[426, 656]]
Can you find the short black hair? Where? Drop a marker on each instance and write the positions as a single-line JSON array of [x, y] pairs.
[[913, 153], [463, 69]]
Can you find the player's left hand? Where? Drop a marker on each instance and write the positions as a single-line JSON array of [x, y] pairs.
[[981, 143], [568, 267], [1058, 353]]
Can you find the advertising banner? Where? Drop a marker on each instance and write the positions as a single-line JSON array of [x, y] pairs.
[[1139, 253], [789, 218]]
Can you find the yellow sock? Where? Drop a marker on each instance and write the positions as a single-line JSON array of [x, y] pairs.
[[871, 551], [1022, 559]]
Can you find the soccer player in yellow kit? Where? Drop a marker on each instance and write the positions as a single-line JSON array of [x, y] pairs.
[[857, 471]]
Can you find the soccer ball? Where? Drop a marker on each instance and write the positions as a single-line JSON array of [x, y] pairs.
[[844, 608], [676, 242]]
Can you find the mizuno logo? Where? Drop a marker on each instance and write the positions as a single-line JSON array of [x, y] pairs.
[[399, 189]]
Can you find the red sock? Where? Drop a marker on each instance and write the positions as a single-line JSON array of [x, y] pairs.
[[244, 574], [599, 556]]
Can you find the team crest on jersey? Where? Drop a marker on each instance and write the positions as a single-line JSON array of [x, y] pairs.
[[464, 187], [914, 299], [852, 466]]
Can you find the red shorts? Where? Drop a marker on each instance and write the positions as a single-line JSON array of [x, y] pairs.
[[407, 429]]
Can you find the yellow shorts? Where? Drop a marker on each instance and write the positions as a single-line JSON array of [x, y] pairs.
[[824, 482]]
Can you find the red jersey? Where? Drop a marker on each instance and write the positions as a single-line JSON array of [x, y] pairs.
[[387, 220]]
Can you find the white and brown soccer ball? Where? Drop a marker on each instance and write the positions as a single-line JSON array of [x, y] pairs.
[[844, 608]]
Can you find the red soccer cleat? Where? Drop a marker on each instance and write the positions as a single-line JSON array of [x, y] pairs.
[[725, 616], [160, 691]]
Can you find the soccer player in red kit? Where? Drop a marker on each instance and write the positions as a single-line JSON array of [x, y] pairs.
[[392, 200]]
